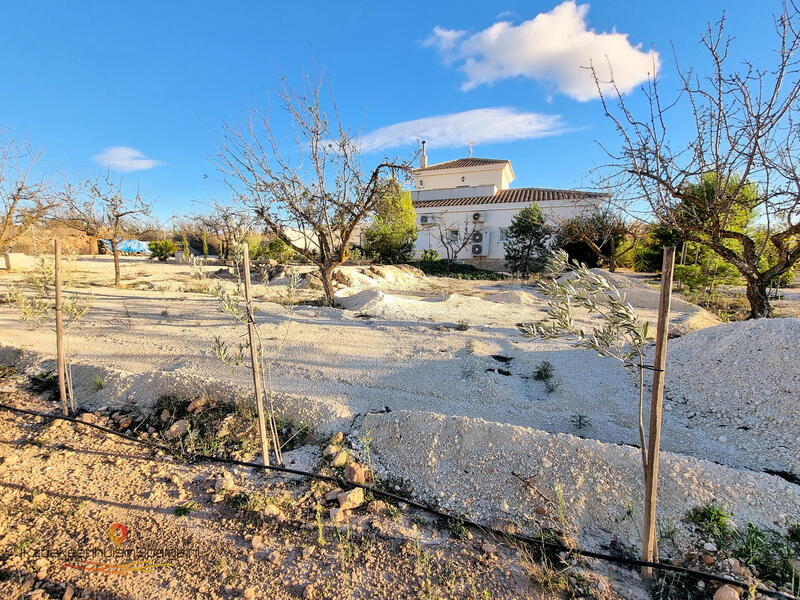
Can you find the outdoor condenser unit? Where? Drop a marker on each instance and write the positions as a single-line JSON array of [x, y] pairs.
[[478, 217], [480, 243]]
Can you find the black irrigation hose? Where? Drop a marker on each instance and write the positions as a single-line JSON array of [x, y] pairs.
[[429, 509]]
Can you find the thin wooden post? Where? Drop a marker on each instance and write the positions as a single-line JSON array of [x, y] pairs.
[[254, 357], [60, 362], [650, 542]]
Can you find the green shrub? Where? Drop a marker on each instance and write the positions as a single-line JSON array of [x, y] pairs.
[[393, 232], [712, 522], [706, 276], [162, 249], [440, 268], [429, 255], [279, 250]]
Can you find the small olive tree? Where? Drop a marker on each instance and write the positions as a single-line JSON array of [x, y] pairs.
[[617, 334]]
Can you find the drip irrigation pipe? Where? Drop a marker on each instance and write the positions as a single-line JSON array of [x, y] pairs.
[[418, 505]]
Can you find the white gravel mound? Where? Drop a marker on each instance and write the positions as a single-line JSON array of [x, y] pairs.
[[471, 466], [685, 318], [618, 280], [742, 380], [513, 297]]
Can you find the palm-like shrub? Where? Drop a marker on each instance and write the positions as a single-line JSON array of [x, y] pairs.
[[162, 249]]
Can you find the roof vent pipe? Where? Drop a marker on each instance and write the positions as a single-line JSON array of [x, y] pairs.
[[423, 160]]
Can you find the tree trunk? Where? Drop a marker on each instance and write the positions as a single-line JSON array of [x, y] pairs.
[[327, 283], [758, 298], [612, 257], [117, 279]]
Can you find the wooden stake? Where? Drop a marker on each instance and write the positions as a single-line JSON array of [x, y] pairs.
[[650, 542], [254, 357], [60, 362]]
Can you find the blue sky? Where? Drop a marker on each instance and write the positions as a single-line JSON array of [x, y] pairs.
[[155, 79]]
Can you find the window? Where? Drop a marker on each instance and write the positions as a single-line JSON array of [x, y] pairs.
[[503, 234], [452, 235]]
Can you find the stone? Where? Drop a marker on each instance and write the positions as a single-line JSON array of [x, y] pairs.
[[11, 460], [489, 548], [601, 586], [357, 473], [69, 592], [709, 547], [257, 542], [274, 557], [736, 566], [225, 482], [708, 560], [308, 551], [270, 510], [541, 511], [197, 404], [330, 450], [165, 415], [340, 459], [249, 593], [333, 495], [352, 499], [726, 592], [125, 422], [177, 429], [337, 438], [339, 516]]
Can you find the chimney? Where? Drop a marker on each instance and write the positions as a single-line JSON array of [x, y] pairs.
[[423, 160]]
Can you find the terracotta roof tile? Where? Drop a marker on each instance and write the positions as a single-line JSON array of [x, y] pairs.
[[461, 163], [516, 195]]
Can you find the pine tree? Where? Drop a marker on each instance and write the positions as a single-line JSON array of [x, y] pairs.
[[529, 241]]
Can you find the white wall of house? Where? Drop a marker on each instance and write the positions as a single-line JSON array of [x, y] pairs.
[[496, 218], [499, 175]]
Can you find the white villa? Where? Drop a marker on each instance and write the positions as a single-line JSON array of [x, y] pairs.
[[476, 190]]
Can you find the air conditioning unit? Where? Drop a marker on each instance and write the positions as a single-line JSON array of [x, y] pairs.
[[480, 243], [428, 219], [478, 217]]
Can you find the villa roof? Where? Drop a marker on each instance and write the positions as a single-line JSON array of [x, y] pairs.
[[460, 163], [515, 195]]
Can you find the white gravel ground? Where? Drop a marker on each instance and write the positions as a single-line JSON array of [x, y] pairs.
[[471, 466], [399, 347]]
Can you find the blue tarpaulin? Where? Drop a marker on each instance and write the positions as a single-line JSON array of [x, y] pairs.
[[130, 246]]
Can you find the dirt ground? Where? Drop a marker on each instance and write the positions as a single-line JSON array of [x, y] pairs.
[[62, 485]]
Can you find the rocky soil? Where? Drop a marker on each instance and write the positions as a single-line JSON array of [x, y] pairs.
[[229, 532]]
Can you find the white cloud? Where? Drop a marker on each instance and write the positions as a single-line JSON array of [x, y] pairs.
[[552, 47], [482, 125], [125, 159]]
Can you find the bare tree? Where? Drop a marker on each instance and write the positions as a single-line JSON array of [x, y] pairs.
[[101, 210], [604, 233], [455, 235], [26, 199], [315, 201], [228, 224], [744, 134]]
